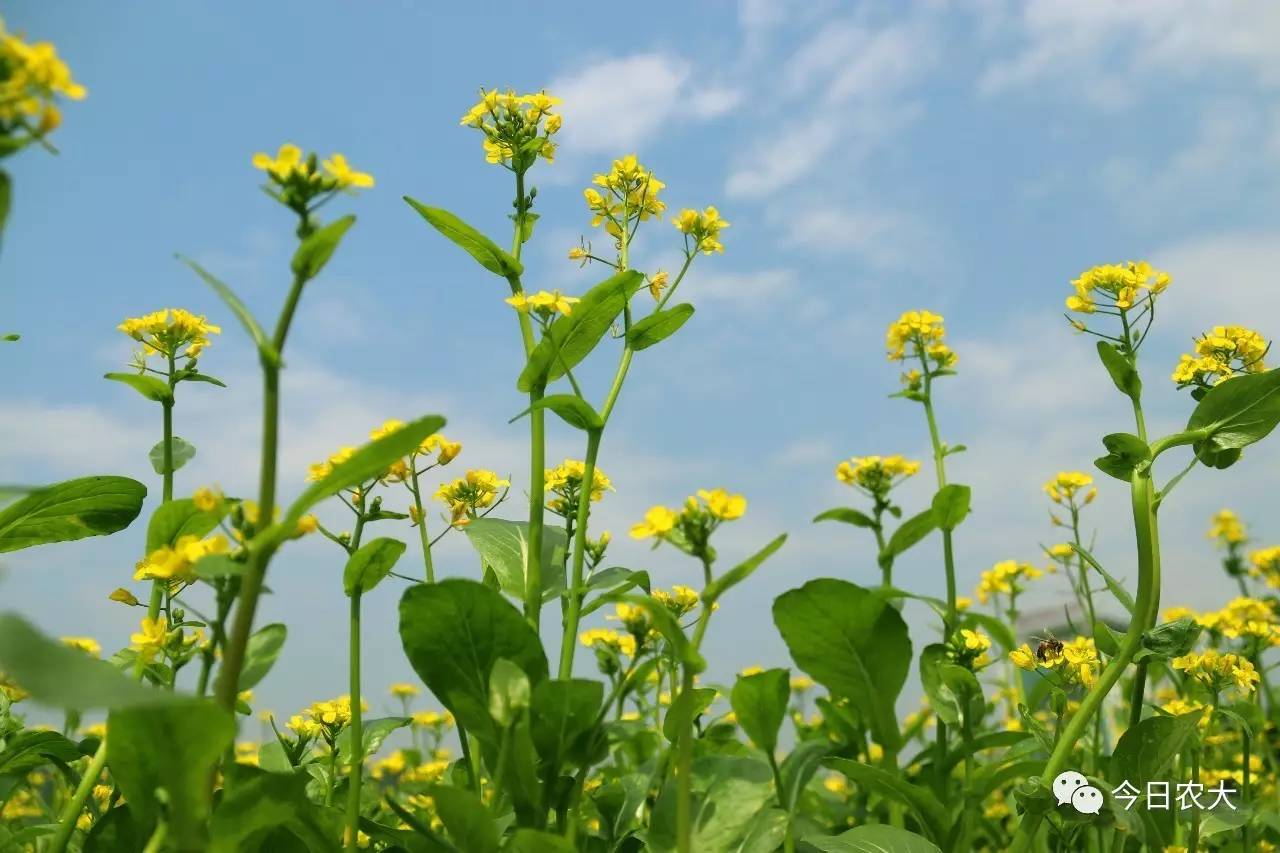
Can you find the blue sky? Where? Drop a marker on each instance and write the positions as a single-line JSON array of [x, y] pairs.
[[966, 157]]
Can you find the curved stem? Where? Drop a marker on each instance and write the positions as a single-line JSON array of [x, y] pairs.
[[70, 812], [567, 644]]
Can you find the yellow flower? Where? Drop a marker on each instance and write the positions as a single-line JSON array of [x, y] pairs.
[[608, 638], [702, 230], [723, 505], [1265, 563], [1118, 285], [475, 490], [1024, 658], [436, 443], [1221, 353], [1227, 528], [563, 484], [1004, 578], [33, 77], [177, 563], [343, 175], [679, 601], [206, 499], [433, 719], [88, 645], [151, 638], [876, 474], [169, 330], [517, 128], [287, 162], [658, 522], [123, 596], [545, 302], [914, 333], [402, 690], [578, 253], [319, 470], [801, 683], [974, 641], [1063, 488]]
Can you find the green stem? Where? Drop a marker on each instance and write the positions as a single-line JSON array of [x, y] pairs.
[[416, 491], [333, 774], [567, 644], [357, 727], [684, 756], [156, 844], [537, 499], [71, 812]]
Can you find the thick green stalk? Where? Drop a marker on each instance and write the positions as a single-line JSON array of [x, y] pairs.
[[71, 812], [684, 755], [356, 727], [1147, 600], [567, 644], [537, 508]]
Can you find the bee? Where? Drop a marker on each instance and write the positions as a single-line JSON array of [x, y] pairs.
[[1048, 648]]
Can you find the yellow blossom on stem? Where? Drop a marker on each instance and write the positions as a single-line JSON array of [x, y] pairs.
[[701, 230], [168, 331], [876, 475], [1226, 528], [658, 521], [151, 638], [1221, 353], [88, 645], [477, 489], [1064, 488]]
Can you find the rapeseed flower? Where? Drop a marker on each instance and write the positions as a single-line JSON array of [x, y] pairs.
[[701, 230], [1064, 488], [475, 490], [517, 128], [1116, 286], [563, 484], [545, 303], [168, 331], [876, 475], [1226, 529], [32, 79], [1221, 353]]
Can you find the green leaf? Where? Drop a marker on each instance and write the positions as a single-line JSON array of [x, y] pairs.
[[177, 518], [851, 641], [1121, 370], [562, 715], [172, 747], [319, 247], [370, 564], [533, 841], [658, 326], [215, 566], [909, 533], [150, 387], [478, 246], [572, 409], [848, 516], [1146, 750], [6, 198], [454, 632], [504, 547], [367, 463], [1236, 413], [74, 509], [950, 506], [1169, 639], [1120, 593], [569, 339], [60, 676], [668, 627], [466, 819], [727, 581], [255, 806], [918, 798], [687, 707], [509, 692], [372, 735], [798, 768], [183, 452], [760, 703], [1125, 452], [264, 646], [265, 347], [877, 838], [765, 833], [29, 749], [728, 793]]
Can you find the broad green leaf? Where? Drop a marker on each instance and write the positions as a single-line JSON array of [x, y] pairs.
[[798, 768], [74, 509], [618, 802], [851, 641], [1169, 639], [478, 246], [765, 833], [876, 838], [1145, 751], [115, 832], [454, 632], [617, 580], [260, 653], [372, 735], [183, 452], [572, 409], [658, 326], [57, 675], [1125, 452], [909, 533], [29, 749], [504, 547], [509, 692], [687, 706], [1121, 370], [848, 516], [1237, 412], [370, 564], [319, 247], [760, 703], [246, 318], [177, 518], [946, 704], [150, 387], [918, 798], [174, 748], [950, 506], [254, 807], [569, 339], [465, 819], [727, 581], [728, 793], [533, 841], [367, 463], [563, 713]]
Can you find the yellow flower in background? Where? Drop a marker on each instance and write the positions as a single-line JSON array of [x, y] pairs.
[[658, 522], [517, 128], [88, 645], [1119, 286], [801, 684], [177, 563], [723, 505], [1221, 353], [123, 596], [1226, 528], [607, 638], [914, 333], [1063, 488], [303, 726], [681, 599], [445, 449], [702, 230], [1217, 671], [403, 690], [477, 489], [150, 639], [167, 331], [287, 163], [1265, 563], [876, 474], [344, 176], [206, 498], [32, 78], [319, 470], [432, 719], [1004, 578], [545, 303], [1024, 658]]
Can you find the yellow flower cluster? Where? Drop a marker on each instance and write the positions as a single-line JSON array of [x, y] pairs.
[[404, 690], [701, 230], [876, 474], [325, 718], [919, 334], [1063, 488], [476, 489], [1216, 670], [680, 601], [151, 638], [630, 196], [10, 689], [1118, 285], [433, 719], [1242, 617], [299, 174], [177, 563], [1221, 353], [88, 645], [32, 77], [1226, 528], [1265, 564], [516, 128], [400, 470], [1076, 662], [718, 504], [564, 481], [545, 303], [169, 330], [609, 639], [1004, 578]]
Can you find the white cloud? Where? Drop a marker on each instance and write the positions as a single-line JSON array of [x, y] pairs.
[[746, 290], [883, 239], [781, 159]]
